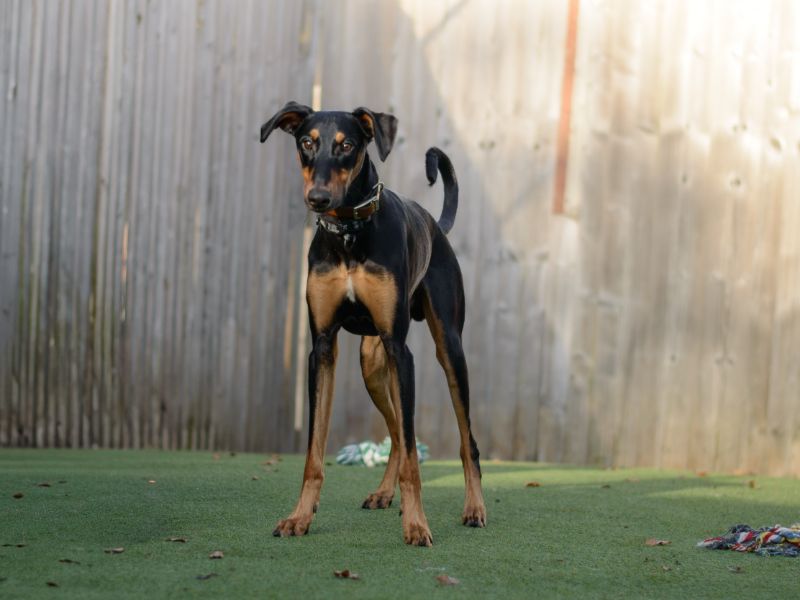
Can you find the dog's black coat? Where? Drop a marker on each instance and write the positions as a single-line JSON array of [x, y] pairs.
[[399, 266]]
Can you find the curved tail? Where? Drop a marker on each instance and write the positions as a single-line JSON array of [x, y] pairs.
[[436, 160]]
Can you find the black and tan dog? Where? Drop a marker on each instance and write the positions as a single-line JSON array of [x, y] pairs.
[[375, 263]]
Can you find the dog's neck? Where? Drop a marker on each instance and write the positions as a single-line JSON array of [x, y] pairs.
[[363, 185], [342, 222]]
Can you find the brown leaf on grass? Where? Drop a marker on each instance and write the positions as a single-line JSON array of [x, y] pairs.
[[216, 554], [346, 574], [119, 550], [666, 568], [274, 459], [215, 456], [43, 484], [174, 538], [752, 484], [533, 484], [68, 561], [736, 569], [447, 580], [52, 584], [254, 478], [206, 576], [655, 542], [702, 473], [151, 481], [18, 495]]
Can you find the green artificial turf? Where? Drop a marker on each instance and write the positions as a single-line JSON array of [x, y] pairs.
[[580, 533]]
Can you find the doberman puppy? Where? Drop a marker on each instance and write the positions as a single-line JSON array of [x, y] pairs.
[[376, 262]]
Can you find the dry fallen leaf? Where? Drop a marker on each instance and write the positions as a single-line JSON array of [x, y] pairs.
[[119, 550], [180, 539], [151, 481], [666, 567], [206, 576], [216, 554], [447, 580], [272, 460], [702, 473], [346, 574], [43, 484], [655, 542], [533, 484], [18, 495], [254, 478]]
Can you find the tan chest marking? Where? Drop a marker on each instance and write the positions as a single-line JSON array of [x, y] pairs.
[[327, 290]]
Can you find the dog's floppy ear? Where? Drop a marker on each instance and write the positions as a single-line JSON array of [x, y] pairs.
[[288, 118], [382, 127]]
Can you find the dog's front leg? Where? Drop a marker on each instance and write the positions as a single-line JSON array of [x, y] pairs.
[[401, 374], [321, 367]]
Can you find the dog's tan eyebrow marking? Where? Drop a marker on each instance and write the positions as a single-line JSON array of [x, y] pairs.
[[314, 134], [339, 137]]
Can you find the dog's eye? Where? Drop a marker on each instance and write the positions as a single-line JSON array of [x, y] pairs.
[[347, 147], [306, 143]]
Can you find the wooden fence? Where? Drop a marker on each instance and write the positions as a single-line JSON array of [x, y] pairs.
[[645, 312]]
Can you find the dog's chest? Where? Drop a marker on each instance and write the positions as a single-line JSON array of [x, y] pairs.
[[335, 291]]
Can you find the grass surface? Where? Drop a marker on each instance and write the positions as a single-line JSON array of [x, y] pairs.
[[581, 533]]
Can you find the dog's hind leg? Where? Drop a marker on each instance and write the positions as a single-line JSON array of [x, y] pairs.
[[444, 311], [375, 369]]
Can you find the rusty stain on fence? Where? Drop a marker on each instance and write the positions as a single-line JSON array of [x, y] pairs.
[[566, 107]]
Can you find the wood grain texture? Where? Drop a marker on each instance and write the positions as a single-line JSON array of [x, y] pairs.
[[152, 252], [144, 228]]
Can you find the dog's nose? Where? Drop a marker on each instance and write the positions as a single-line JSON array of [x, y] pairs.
[[319, 199]]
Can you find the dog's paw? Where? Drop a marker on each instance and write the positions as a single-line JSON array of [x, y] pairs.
[[291, 527], [417, 534], [377, 500], [474, 516]]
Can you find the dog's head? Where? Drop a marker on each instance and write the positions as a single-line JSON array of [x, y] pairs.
[[332, 147]]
